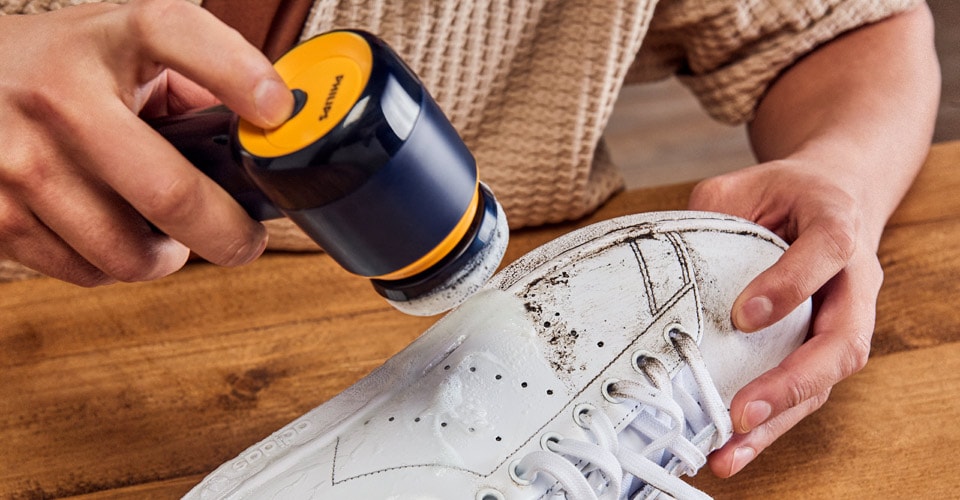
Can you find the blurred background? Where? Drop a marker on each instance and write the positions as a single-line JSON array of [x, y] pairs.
[[659, 135]]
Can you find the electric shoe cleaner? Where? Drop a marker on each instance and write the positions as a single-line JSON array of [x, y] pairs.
[[367, 166]]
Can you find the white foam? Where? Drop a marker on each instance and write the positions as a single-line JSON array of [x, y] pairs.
[[464, 283]]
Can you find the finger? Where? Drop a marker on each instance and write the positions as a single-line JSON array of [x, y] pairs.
[[102, 228], [814, 367], [838, 348], [741, 449], [24, 239], [151, 175], [195, 43], [175, 94], [824, 247], [724, 193], [183, 95]]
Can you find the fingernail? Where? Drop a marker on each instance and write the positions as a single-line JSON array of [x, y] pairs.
[[754, 414], [741, 457], [754, 314], [261, 247], [273, 101]]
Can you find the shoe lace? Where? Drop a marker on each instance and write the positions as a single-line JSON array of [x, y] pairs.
[[670, 420]]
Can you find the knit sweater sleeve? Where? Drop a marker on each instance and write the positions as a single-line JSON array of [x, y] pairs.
[[728, 52]]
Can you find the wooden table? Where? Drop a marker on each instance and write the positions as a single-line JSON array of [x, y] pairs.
[[139, 390]]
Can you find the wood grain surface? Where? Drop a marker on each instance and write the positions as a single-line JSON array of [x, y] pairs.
[[139, 390]]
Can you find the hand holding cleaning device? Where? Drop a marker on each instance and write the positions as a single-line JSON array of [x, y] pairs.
[[368, 166]]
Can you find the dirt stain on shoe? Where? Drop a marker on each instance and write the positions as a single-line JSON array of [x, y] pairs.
[[564, 344], [560, 339]]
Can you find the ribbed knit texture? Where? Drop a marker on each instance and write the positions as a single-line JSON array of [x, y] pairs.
[[727, 53], [530, 84]]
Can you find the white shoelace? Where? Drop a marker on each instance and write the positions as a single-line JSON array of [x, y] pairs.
[[672, 419]]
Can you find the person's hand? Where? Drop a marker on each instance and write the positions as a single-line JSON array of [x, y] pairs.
[[81, 174], [832, 257]]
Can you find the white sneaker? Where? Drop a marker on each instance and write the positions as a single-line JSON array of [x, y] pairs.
[[600, 365]]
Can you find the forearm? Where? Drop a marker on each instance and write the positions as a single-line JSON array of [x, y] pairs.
[[859, 110]]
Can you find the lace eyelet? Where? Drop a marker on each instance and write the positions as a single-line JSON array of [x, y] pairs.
[[639, 358], [490, 494], [515, 475], [580, 411], [672, 330], [605, 390], [549, 437]]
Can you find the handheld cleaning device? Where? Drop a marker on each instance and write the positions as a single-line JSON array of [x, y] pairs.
[[368, 166]]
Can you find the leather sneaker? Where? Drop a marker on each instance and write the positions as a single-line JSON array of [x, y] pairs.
[[600, 365]]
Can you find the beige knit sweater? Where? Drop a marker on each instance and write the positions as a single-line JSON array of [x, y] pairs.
[[531, 84]]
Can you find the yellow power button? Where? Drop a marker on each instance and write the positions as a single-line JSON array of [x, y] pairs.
[[332, 70]]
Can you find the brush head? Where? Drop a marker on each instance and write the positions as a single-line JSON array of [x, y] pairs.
[[460, 273]]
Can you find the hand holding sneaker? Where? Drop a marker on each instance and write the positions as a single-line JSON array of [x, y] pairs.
[[829, 184]]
